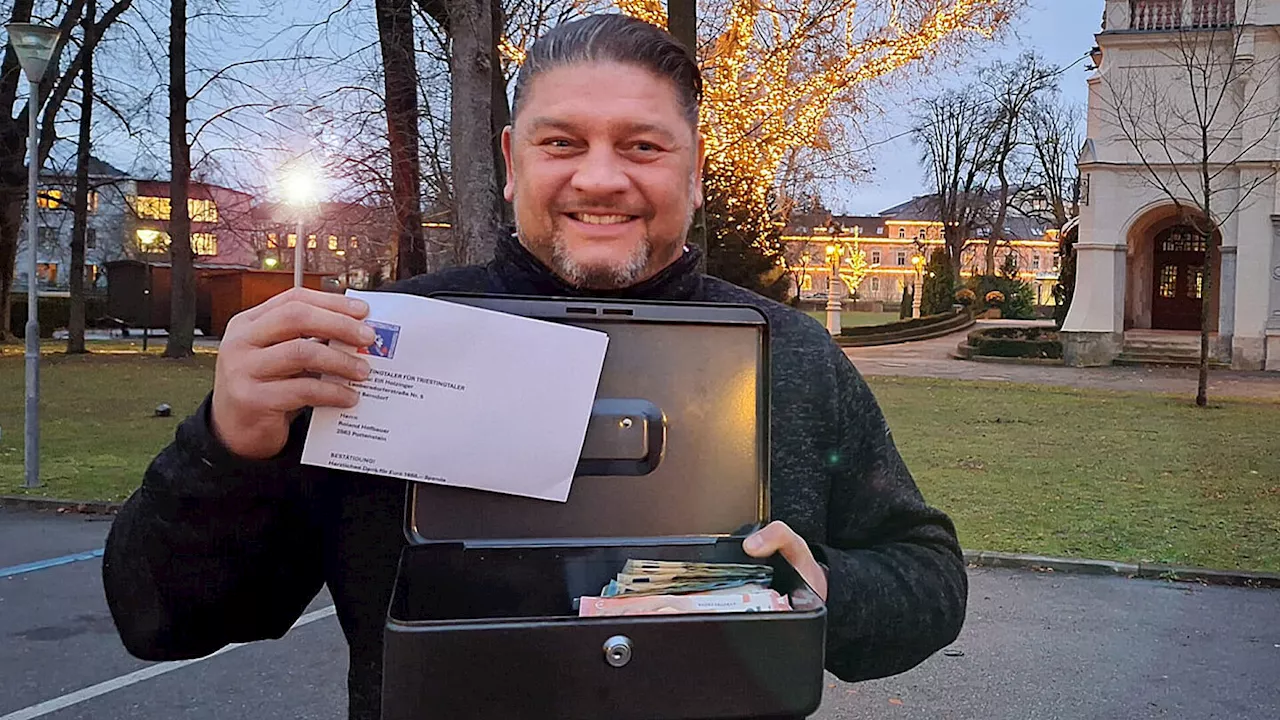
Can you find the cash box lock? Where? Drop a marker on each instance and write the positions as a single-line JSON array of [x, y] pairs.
[[617, 650]]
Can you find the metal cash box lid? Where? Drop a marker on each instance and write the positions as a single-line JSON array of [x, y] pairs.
[[677, 445]]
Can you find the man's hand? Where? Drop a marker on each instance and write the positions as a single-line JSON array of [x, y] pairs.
[[775, 538], [268, 366]]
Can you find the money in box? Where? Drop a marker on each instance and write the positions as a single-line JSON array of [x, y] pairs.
[[486, 619]]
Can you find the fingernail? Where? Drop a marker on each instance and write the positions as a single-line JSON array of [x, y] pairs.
[[363, 370], [358, 307], [753, 542], [367, 335]]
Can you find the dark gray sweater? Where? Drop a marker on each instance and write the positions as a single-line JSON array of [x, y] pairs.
[[213, 550]]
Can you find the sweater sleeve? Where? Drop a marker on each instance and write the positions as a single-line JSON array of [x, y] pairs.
[[211, 549], [897, 587]]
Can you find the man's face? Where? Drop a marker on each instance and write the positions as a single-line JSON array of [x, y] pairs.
[[604, 173]]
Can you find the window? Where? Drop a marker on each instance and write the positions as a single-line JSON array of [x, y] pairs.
[[1169, 281], [292, 239], [1195, 282], [902, 232], [902, 258], [880, 230], [90, 238], [353, 244], [333, 242], [46, 237], [150, 240], [875, 284], [204, 243], [47, 273], [1035, 261], [159, 208], [875, 257], [272, 239], [49, 199], [922, 234], [806, 283], [311, 242]]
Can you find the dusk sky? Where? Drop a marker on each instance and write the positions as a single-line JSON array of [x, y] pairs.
[[1060, 30]]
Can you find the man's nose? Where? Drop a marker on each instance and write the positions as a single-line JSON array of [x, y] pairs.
[[601, 172]]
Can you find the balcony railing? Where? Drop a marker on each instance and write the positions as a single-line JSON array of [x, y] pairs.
[[1179, 14]]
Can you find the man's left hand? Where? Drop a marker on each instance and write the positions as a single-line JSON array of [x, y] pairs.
[[775, 538]]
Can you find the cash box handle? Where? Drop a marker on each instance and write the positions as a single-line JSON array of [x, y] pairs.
[[625, 436]]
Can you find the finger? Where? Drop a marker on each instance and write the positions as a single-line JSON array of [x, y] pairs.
[[292, 394], [289, 359], [777, 538], [301, 320], [334, 302]]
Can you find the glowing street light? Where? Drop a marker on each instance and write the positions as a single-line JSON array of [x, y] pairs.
[[34, 45], [301, 190], [918, 262]]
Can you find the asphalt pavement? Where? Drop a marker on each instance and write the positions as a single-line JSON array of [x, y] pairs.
[[1035, 645]]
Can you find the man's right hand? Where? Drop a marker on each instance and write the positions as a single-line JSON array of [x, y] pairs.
[[269, 362]]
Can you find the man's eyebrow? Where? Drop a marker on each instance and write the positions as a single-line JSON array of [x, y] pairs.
[[538, 124]]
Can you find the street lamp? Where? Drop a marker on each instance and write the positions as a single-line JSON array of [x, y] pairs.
[[918, 262], [34, 45], [300, 189], [833, 302]]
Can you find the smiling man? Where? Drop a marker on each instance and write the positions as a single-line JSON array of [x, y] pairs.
[[229, 537]]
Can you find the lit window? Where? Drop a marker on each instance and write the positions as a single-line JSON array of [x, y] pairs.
[[204, 243], [311, 242], [902, 232], [1195, 285], [204, 211], [160, 208], [1169, 281], [150, 240], [272, 239], [880, 230], [806, 283], [49, 199], [353, 242], [47, 273], [333, 242], [291, 239], [93, 202]]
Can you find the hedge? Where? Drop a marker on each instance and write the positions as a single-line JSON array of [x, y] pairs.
[[54, 312], [905, 330], [1016, 342]]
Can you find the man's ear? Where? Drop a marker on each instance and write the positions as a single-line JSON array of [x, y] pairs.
[[508, 189], [698, 168]]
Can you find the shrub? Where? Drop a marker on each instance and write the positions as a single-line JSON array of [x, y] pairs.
[[908, 302], [54, 313], [1016, 342], [1019, 301], [995, 297], [965, 297]]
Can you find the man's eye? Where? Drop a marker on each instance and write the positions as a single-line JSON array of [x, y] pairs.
[[558, 143], [646, 147]]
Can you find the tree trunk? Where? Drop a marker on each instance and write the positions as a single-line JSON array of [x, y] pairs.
[[682, 23], [997, 228], [476, 224], [80, 224], [400, 80], [182, 307], [1206, 319], [501, 112]]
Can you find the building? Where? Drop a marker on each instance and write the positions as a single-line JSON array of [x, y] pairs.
[[222, 224], [108, 221], [891, 240], [350, 240], [1139, 265]]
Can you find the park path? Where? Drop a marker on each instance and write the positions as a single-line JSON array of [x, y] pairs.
[[933, 359]]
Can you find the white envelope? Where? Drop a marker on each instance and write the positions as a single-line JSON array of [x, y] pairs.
[[464, 396]]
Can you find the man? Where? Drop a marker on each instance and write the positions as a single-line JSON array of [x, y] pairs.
[[229, 537]]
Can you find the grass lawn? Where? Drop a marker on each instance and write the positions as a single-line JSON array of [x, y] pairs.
[[1020, 469], [855, 319]]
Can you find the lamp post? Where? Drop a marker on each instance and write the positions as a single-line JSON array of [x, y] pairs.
[[833, 302], [300, 190], [34, 45], [918, 262]]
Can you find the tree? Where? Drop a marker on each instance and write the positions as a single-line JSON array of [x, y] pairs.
[[741, 247], [939, 292], [1053, 128], [957, 134], [182, 293], [1012, 89], [79, 231], [57, 84], [1196, 122], [400, 81]]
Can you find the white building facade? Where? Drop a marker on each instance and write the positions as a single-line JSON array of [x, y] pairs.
[[1139, 263]]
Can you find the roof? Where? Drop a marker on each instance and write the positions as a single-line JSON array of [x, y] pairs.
[[97, 168]]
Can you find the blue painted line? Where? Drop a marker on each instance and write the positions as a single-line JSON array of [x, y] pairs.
[[51, 562]]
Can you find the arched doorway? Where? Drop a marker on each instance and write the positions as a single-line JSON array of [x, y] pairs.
[[1178, 284], [1164, 287]]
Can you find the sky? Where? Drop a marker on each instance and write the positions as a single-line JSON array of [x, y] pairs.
[[1060, 30]]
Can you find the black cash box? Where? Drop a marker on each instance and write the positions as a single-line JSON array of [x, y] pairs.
[[483, 624]]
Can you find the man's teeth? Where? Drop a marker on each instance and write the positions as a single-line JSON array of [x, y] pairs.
[[601, 219]]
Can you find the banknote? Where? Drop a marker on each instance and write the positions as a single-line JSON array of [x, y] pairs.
[[660, 577], [712, 602]]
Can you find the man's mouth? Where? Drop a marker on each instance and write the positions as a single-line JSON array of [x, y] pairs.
[[594, 219]]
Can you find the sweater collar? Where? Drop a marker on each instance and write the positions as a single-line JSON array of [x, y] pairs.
[[517, 272]]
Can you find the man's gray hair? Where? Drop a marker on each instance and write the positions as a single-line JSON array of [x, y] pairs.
[[614, 38]]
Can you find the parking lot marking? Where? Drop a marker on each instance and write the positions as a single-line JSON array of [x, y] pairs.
[[137, 676], [51, 562]]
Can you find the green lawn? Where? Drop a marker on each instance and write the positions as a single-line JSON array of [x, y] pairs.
[[856, 319], [1020, 469]]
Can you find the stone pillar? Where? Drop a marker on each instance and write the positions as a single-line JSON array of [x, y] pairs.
[[1093, 333], [1226, 282], [1271, 360]]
